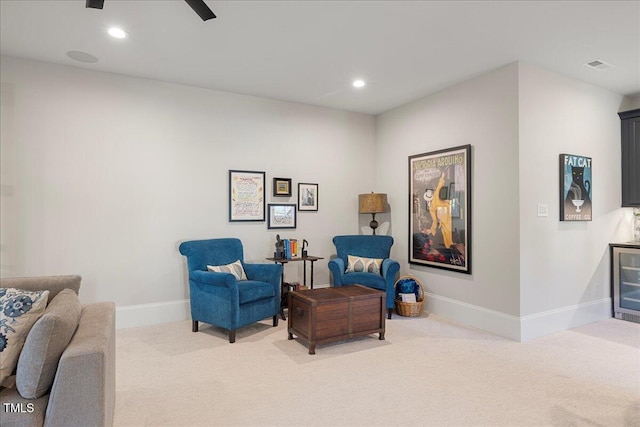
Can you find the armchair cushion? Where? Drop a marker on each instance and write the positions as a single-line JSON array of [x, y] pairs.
[[362, 264], [253, 290], [234, 268]]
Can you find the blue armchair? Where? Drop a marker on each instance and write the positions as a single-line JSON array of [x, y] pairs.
[[219, 298], [366, 246]]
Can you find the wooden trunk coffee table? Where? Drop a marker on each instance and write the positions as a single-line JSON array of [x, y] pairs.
[[334, 314]]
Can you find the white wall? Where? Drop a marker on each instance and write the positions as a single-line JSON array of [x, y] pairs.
[[531, 275], [565, 267], [104, 175], [482, 112], [630, 103]]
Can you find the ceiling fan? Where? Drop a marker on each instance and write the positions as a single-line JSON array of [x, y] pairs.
[[199, 7]]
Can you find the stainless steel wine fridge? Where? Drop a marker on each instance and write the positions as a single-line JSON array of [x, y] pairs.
[[625, 280]]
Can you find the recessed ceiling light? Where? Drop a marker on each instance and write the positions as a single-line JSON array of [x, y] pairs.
[[82, 56], [359, 83], [116, 32]]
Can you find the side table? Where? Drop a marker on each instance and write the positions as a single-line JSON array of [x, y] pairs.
[[283, 288]]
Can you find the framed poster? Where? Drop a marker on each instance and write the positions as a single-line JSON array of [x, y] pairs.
[[246, 196], [307, 197], [282, 187], [282, 216], [576, 181], [440, 209]]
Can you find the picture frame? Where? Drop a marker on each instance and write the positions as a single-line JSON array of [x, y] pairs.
[[281, 216], [576, 182], [246, 195], [282, 187], [440, 209], [307, 197]]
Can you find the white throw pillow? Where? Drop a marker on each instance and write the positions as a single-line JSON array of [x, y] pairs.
[[19, 310], [358, 264], [234, 268]]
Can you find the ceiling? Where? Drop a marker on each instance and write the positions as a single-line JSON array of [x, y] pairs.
[[311, 51]]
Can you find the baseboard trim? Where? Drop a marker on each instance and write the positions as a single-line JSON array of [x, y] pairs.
[[520, 328], [132, 316], [495, 322], [561, 319], [505, 325]]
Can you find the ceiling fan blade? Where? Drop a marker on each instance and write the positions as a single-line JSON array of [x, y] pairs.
[[201, 9], [95, 4]]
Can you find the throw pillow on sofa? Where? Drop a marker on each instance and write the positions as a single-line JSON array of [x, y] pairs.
[[45, 343], [19, 310], [234, 268], [363, 265]]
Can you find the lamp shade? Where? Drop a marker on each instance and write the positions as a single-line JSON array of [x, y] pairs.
[[372, 203]]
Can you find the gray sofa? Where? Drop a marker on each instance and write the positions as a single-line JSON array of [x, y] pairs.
[[83, 390]]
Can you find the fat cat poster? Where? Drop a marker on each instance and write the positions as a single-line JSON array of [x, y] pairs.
[[440, 209], [576, 182]]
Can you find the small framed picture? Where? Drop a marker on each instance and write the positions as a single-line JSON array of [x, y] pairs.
[[281, 216], [307, 197], [282, 187]]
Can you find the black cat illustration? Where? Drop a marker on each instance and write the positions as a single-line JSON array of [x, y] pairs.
[[577, 198]]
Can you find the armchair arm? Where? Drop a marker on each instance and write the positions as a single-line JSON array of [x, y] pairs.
[[270, 273], [390, 268], [224, 280], [209, 289], [336, 266]]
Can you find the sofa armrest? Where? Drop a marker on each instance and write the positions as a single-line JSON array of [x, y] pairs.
[[83, 392]]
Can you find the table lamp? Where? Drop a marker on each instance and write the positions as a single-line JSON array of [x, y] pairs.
[[372, 203]]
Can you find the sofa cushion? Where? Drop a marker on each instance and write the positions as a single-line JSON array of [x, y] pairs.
[[19, 310], [16, 411], [234, 268], [45, 343], [360, 264]]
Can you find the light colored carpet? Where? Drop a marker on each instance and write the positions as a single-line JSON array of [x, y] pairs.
[[428, 372]]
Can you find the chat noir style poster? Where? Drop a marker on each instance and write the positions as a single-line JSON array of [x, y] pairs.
[[440, 209], [576, 182]]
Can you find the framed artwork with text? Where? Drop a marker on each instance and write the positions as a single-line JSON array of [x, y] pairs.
[[246, 195], [576, 180], [440, 209]]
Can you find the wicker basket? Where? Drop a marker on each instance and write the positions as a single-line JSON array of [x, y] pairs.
[[411, 309]]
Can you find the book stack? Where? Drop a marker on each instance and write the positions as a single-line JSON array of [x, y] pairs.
[[291, 249]]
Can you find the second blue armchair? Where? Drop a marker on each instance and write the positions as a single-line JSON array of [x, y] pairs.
[[363, 248]]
